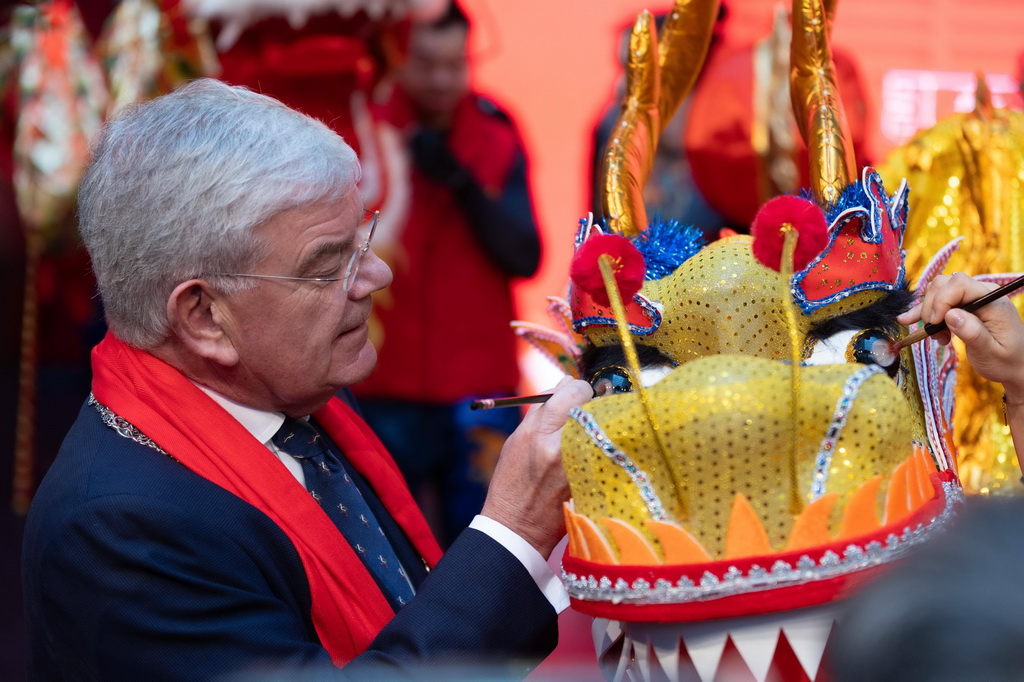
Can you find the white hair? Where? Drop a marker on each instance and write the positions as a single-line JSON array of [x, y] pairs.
[[178, 184]]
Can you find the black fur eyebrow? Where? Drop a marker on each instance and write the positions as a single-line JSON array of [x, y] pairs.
[[596, 358], [879, 315]]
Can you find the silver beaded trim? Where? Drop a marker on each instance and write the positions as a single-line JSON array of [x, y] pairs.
[[123, 427], [823, 460], [640, 479], [782, 573]]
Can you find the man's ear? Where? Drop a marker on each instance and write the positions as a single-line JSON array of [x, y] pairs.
[[200, 320]]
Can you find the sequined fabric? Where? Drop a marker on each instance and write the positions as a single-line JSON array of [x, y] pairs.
[[726, 420], [726, 423], [720, 301]]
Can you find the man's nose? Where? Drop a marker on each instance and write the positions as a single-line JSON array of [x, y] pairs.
[[374, 275]]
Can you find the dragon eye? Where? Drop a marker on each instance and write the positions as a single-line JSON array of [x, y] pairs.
[[611, 380], [871, 347]]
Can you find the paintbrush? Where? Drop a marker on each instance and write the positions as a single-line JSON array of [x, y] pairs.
[[885, 353], [514, 401]]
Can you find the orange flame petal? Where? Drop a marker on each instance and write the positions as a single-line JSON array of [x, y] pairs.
[[861, 515], [577, 546], [679, 545], [634, 550], [812, 526], [598, 549], [746, 535], [897, 498]]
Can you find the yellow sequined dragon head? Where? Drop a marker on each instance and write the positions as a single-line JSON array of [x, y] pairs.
[[762, 458]]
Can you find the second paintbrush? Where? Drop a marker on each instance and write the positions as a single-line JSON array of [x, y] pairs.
[[885, 355]]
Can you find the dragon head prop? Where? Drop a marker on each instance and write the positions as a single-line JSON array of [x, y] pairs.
[[761, 461]]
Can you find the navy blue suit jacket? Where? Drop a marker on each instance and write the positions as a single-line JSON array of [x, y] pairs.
[[135, 568]]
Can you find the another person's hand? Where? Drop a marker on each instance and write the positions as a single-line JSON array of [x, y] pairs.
[[434, 159], [993, 335], [529, 484]]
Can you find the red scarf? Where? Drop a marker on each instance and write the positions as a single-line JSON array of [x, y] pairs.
[[348, 608]]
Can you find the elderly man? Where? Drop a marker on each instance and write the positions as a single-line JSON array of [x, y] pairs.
[[197, 520]]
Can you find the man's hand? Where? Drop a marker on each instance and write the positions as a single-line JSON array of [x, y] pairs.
[[529, 484], [993, 335]]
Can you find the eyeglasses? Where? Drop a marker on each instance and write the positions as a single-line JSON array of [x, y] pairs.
[[350, 271]]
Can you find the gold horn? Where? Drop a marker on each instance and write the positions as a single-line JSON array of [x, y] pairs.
[[657, 80], [682, 49], [630, 150], [816, 102], [829, 7]]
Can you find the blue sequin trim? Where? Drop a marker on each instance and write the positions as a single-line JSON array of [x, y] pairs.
[[809, 307], [863, 199], [599, 321], [583, 230], [823, 461]]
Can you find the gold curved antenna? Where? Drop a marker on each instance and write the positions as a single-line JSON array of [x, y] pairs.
[[658, 78], [630, 150], [682, 49], [829, 8], [816, 103]]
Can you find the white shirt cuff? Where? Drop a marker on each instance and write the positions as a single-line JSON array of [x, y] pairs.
[[547, 582]]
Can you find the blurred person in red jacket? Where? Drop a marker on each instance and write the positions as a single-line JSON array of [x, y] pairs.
[[469, 230]]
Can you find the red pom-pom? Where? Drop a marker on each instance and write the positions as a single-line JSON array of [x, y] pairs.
[[802, 215], [628, 267]]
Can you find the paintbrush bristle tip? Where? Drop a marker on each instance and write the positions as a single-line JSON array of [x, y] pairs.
[[884, 352]]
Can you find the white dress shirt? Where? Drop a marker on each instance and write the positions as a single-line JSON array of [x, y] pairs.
[[263, 425]]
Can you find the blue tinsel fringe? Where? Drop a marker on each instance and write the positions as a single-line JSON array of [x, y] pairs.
[[666, 244]]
